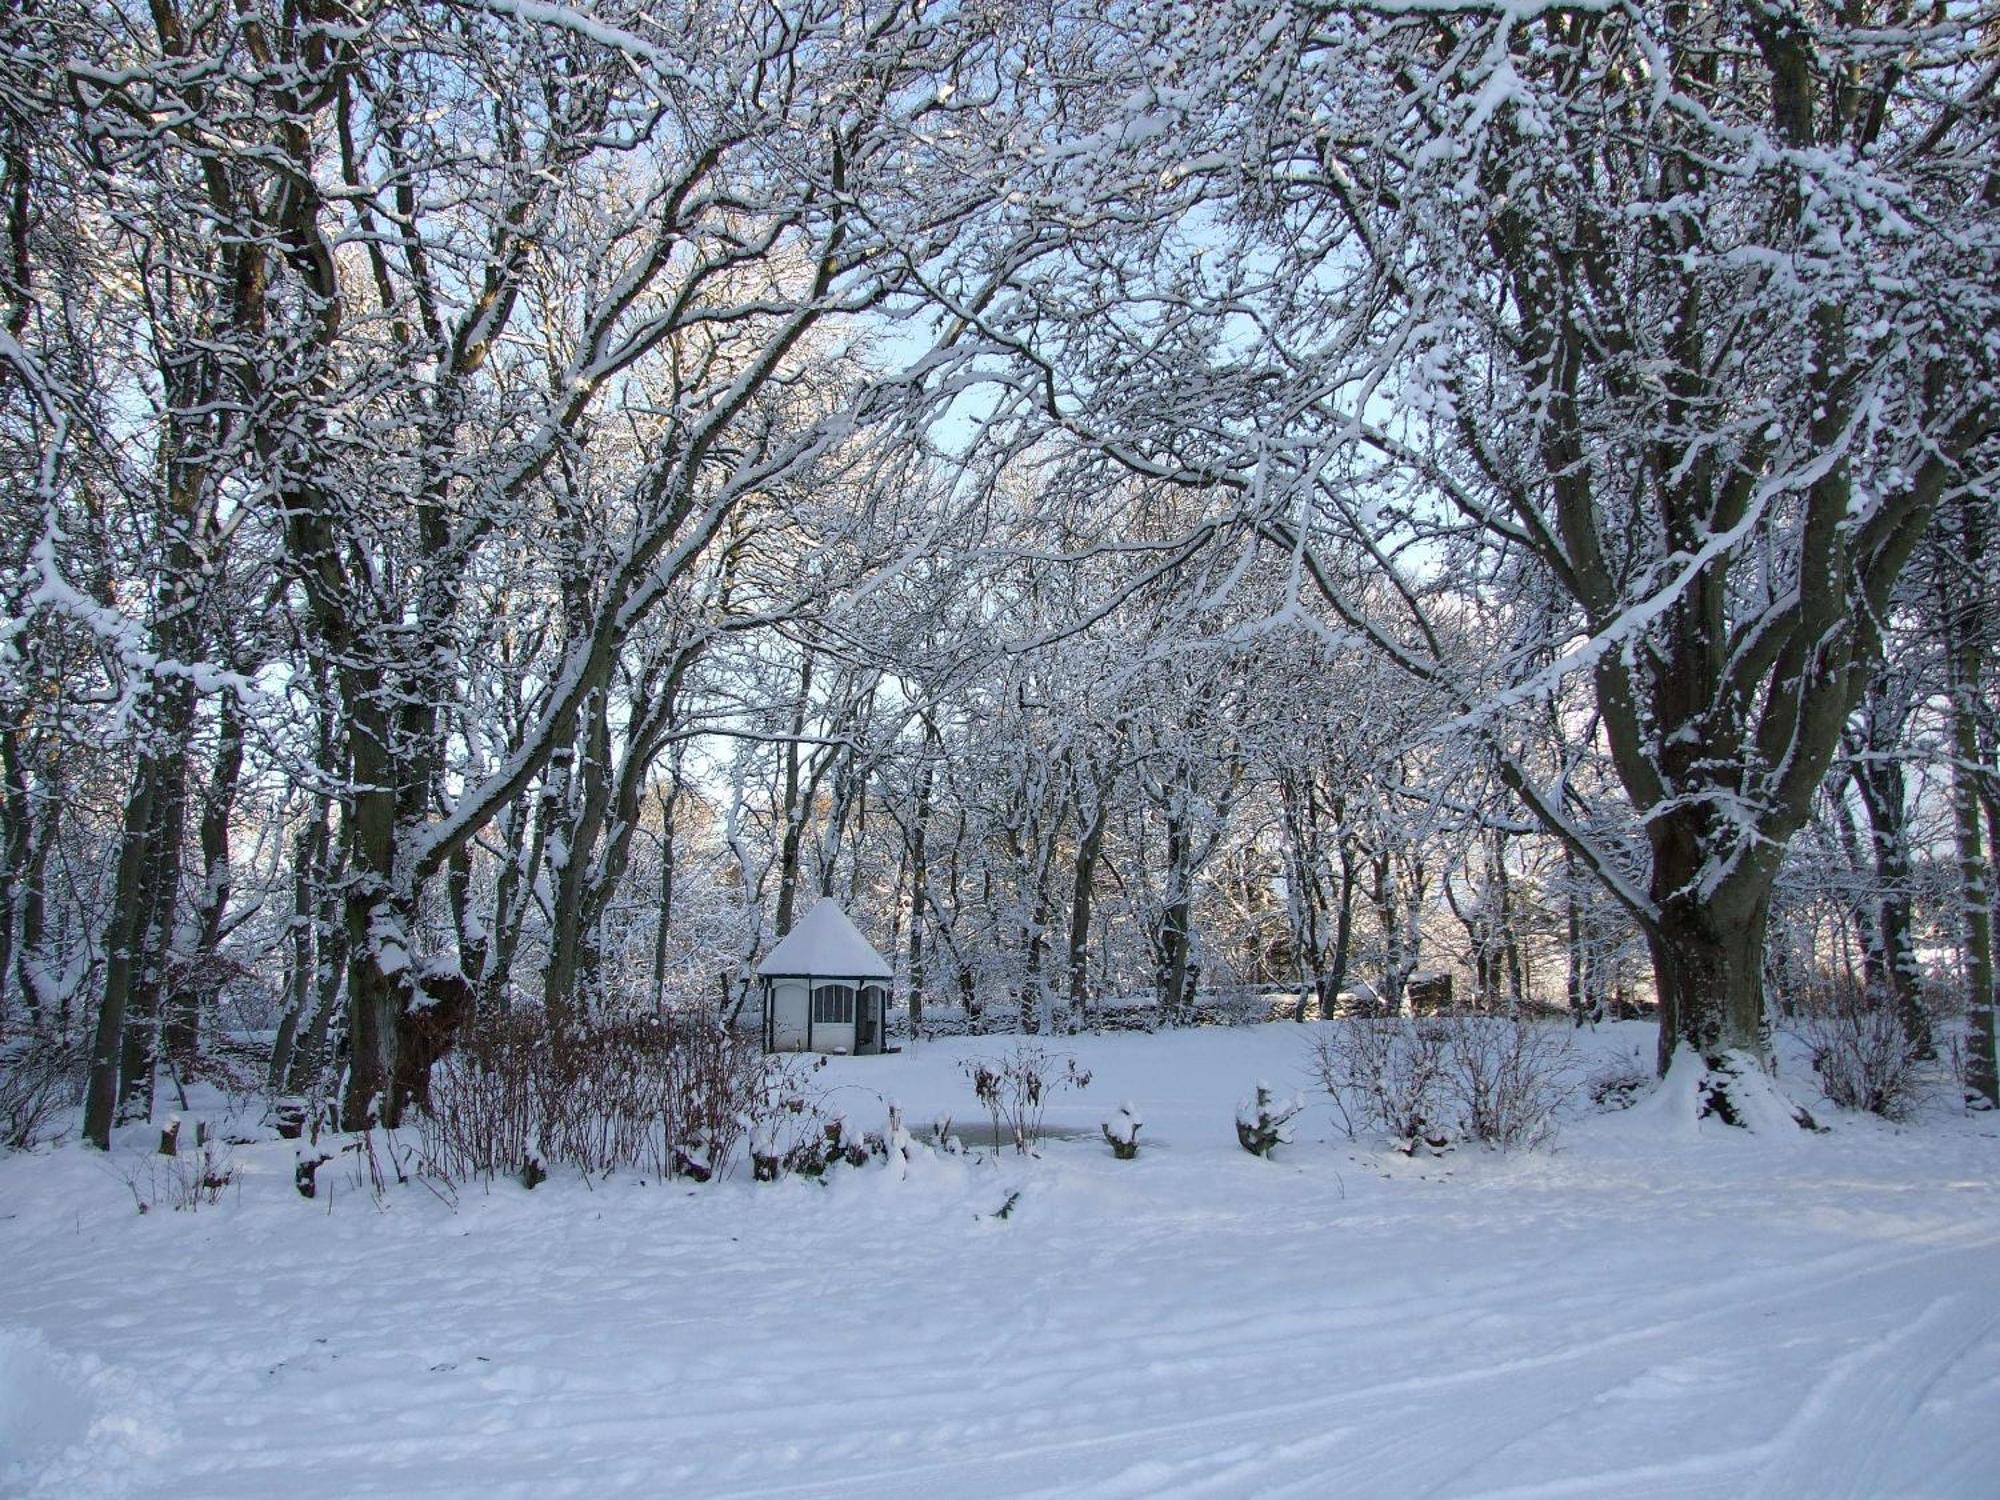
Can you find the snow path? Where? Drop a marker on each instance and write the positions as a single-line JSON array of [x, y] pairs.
[[1633, 1315]]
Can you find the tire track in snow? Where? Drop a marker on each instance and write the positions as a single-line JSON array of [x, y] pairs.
[[1834, 1448], [1430, 1434]]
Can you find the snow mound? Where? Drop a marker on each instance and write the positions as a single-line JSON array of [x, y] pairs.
[[1732, 1096], [1744, 1094], [70, 1427]]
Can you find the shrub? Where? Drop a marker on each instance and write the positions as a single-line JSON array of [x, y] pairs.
[[1122, 1131], [41, 1083], [1385, 1075], [942, 1140], [1422, 1082], [674, 1097], [1862, 1055], [183, 1180], [1621, 1083], [1263, 1121], [1015, 1090], [1508, 1078]]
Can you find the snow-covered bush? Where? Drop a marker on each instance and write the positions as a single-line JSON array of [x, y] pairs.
[[672, 1097], [1863, 1057], [834, 1143], [1385, 1076], [1263, 1121], [1423, 1082], [182, 1180], [711, 1076], [767, 1156], [484, 1116], [1620, 1083], [793, 1134], [1015, 1090], [1508, 1077], [41, 1083], [942, 1140], [1122, 1131], [899, 1147]]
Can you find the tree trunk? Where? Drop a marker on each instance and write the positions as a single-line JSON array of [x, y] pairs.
[[1083, 884], [1581, 1012], [31, 966], [663, 926], [1170, 941], [1964, 675], [794, 814], [16, 845], [580, 793], [309, 1057], [375, 999], [309, 848], [1397, 963], [1304, 895], [1334, 979], [195, 986], [1982, 1065], [920, 822], [1509, 934], [1900, 977], [100, 1105], [1035, 989], [157, 894], [377, 931], [522, 838], [1708, 965]]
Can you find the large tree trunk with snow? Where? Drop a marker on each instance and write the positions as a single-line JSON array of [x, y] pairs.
[[17, 839], [1708, 971], [377, 928], [1982, 1054], [1170, 927]]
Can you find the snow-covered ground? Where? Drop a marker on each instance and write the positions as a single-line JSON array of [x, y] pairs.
[[1650, 1308]]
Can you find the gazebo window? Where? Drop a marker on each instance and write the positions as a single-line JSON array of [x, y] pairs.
[[833, 1005]]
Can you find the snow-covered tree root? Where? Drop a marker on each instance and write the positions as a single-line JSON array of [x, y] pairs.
[[1732, 1087]]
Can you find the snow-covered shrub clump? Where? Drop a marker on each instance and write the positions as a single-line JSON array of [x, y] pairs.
[[1864, 1057], [184, 1179], [41, 1083], [942, 1140], [1122, 1131], [1385, 1076], [1620, 1083], [792, 1132], [810, 1147], [1263, 1121], [1425, 1082], [672, 1097], [1015, 1090], [1508, 1078]]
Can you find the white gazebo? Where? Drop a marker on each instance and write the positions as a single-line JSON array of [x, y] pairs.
[[825, 987]]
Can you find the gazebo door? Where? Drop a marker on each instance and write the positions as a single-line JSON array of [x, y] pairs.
[[868, 1020]]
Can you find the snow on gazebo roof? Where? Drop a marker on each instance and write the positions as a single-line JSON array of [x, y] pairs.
[[825, 943]]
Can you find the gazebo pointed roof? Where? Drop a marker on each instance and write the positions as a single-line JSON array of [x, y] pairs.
[[825, 943]]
